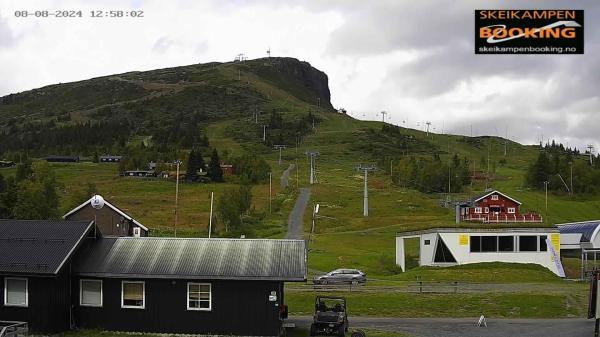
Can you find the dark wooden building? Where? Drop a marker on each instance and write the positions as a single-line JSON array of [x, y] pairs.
[[35, 271], [110, 220], [6, 163], [59, 275], [62, 159], [191, 286]]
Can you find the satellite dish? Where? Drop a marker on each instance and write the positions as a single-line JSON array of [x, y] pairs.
[[97, 202]]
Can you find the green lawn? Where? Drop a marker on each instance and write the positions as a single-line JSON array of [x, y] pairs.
[[498, 305]]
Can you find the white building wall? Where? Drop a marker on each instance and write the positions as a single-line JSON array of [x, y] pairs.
[[427, 252], [400, 256], [459, 245], [461, 250]]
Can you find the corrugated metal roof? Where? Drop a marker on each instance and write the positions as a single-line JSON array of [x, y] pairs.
[[249, 259], [586, 229], [38, 246]]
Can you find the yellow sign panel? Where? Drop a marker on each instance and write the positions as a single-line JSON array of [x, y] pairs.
[[463, 239], [555, 239]]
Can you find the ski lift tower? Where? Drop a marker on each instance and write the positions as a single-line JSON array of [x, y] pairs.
[[312, 155], [366, 169], [279, 147], [591, 153]]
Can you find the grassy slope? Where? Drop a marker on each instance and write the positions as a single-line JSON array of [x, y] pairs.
[[348, 239]]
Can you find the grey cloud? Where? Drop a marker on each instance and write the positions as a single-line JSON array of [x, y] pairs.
[[162, 44], [7, 37]]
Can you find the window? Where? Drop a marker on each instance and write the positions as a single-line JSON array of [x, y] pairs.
[[15, 292], [427, 242], [477, 210], [528, 243], [495, 197], [511, 210], [543, 245], [90, 293], [506, 243], [489, 243], [199, 296], [487, 210], [475, 244], [133, 295]]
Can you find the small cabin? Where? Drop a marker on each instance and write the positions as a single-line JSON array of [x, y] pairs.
[[139, 173], [62, 159], [110, 220], [6, 163], [227, 169], [494, 206], [110, 159]]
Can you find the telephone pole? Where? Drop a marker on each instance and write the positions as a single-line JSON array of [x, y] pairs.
[[178, 162], [264, 133], [366, 169], [546, 188], [312, 155], [279, 147]]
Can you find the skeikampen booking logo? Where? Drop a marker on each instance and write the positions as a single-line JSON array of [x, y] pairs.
[[511, 31]]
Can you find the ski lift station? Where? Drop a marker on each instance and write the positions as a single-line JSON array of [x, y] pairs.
[[456, 246]]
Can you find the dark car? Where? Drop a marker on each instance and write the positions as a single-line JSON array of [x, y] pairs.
[[349, 276], [330, 316]]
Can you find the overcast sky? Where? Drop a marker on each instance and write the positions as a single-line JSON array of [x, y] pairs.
[[413, 59]]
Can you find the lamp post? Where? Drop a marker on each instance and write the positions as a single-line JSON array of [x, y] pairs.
[[177, 162]]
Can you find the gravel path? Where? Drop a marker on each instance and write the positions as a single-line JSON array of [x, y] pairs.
[[295, 223], [466, 327]]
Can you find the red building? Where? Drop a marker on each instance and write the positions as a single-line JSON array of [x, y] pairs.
[[495, 206], [228, 169]]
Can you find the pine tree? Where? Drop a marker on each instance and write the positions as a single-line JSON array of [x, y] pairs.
[[214, 167], [191, 173]]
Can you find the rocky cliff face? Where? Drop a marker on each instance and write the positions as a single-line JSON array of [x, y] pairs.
[[296, 77]]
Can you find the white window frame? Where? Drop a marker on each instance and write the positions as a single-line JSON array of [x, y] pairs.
[[81, 293], [512, 210], [6, 304], [487, 210], [209, 297], [477, 210], [143, 306], [494, 196]]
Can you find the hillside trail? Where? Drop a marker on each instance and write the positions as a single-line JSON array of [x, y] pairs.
[[284, 181], [295, 219]]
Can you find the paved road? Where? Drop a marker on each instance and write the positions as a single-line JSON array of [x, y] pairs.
[[295, 223], [284, 181], [465, 327]]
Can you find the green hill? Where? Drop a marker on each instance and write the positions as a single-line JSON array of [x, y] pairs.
[[170, 110]]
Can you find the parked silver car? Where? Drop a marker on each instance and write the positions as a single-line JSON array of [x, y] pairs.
[[350, 276]]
